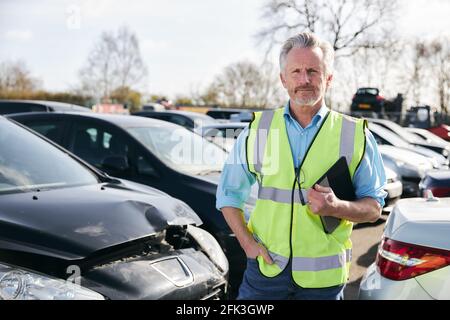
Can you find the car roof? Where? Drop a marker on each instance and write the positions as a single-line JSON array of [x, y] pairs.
[[220, 125], [181, 112], [60, 106], [229, 110], [422, 222], [121, 120], [439, 174]]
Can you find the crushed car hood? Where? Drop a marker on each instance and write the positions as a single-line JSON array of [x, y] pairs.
[[71, 223]]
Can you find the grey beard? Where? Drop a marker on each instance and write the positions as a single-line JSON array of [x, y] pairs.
[[305, 102]]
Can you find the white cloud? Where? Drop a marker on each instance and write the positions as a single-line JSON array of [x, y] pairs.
[[149, 45], [20, 35]]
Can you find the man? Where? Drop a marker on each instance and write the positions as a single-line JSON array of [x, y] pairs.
[[290, 255]]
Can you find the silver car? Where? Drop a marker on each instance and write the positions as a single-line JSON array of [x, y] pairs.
[[432, 138], [413, 260], [410, 166], [393, 187], [384, 136]]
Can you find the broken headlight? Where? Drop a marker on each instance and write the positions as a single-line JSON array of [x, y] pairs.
[[210, 246], [20, 284]]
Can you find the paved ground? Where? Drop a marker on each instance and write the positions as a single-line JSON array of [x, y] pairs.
[[365, 238]]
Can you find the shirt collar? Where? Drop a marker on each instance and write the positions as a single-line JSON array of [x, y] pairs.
[[316, 120]]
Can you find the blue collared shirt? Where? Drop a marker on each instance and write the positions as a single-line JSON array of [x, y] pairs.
[[236, 181]]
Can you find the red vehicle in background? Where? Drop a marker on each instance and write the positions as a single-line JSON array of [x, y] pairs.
[[438, 181], [442, 131]]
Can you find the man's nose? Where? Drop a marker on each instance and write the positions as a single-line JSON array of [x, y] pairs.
[[303, 78]]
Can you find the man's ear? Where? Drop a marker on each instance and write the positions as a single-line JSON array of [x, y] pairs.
[[329, 80], [283, 81]]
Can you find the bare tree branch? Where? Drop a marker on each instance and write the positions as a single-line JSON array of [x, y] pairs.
[[114, 62], [345, 23]]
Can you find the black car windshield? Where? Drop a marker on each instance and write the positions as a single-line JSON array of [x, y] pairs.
[[28, 163], [181, 149], [371, 91]]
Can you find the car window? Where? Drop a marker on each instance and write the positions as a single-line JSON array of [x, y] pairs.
[[51, 129], [96, 142], [373, 92], [180, 148], [182, 121], [144, 166], [28, 162]]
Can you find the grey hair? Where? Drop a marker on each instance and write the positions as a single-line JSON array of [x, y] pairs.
[[308, 40]]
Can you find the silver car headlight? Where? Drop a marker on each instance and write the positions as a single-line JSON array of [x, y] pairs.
[[20, 284], [210, 246]]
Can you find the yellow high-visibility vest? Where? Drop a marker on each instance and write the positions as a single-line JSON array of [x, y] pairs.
[[281, 220]]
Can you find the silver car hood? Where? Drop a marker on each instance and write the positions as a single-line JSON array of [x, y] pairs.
[[405, 162], [403, 155]]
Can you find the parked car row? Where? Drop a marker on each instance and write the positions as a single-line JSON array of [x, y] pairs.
[[165, 176], [410, 162]]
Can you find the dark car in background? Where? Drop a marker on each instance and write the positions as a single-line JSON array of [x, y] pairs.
[[189, 120], [232, 115], [69, 231], [438, 181], [18, 106], [367, 100], [152, 152], [223, 114]]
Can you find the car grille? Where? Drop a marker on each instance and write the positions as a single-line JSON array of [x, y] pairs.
[[219, 292]]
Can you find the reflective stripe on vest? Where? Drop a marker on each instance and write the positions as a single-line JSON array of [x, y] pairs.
[[321, 263], [261, 139], [313, 264], [282, 195]]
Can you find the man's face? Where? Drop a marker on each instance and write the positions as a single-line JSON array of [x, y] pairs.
[[304, 76]]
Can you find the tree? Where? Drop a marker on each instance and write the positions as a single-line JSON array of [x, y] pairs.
[[347, 24], [15, 78], [114, 62], [183, 101], [128, 97], [243, 85], [439, 54], [368, 67]]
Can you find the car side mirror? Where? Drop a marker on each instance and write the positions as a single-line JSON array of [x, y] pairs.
[[115, 163]]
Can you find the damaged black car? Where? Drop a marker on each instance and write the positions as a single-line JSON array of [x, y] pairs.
[[69, 231]]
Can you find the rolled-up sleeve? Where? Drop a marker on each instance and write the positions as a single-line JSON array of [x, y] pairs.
[[370, 178], [235, 181]]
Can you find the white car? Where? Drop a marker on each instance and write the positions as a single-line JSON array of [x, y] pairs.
[[410, 166], [413, 260], [384, 136], [393, 187], [432, 138]]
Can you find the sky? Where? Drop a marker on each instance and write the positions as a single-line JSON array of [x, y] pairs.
[[184, 43]]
